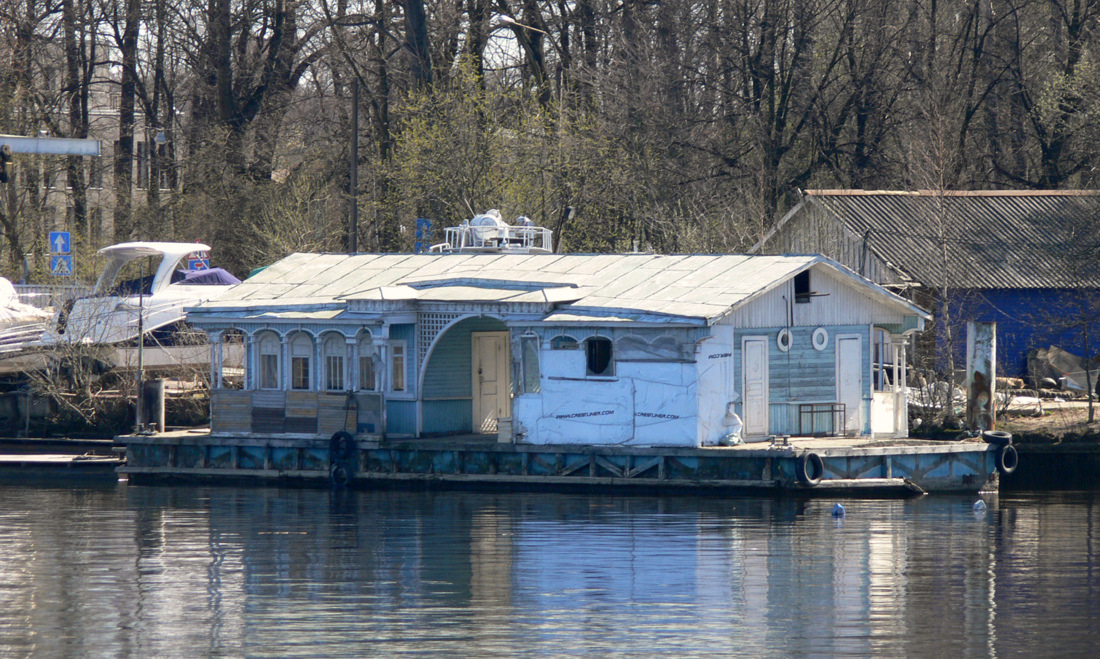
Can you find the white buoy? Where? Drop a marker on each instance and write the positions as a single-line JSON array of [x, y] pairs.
[[838, 510], [979, 506]]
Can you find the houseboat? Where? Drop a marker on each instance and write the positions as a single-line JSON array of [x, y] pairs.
[[498, 364]]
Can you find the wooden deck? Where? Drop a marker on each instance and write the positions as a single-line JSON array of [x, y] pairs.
[[862, 467], [59, 465]]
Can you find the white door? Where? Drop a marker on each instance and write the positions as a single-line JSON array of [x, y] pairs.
[[754, 369], [491, 388], [849, 381]]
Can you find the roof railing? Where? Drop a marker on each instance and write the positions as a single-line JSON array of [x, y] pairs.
[[488, 233]]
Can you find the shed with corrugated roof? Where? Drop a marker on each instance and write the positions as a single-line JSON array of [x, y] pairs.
[[1022, 259]]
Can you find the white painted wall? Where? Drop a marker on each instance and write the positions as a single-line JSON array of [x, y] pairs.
[[716, 389], [643, 403]]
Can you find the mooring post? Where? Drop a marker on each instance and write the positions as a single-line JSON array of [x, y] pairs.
[[981, 376]]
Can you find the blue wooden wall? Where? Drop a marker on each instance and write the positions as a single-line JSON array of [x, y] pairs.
[[407, 332], [401, 413], [448, 416], [802, 374], [401, 417], [448, 386]]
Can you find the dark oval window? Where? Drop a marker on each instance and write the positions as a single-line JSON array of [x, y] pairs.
[[598, 350]]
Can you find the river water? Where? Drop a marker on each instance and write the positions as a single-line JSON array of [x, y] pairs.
[[156, 571]]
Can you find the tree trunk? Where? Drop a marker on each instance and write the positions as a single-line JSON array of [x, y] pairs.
[[416, 40], [77, 92], [124, 151]]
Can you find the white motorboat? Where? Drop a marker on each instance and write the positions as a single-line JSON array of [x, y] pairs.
[[19, 322], [144, 288]]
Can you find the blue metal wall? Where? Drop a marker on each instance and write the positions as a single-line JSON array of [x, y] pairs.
[[1026, 319]]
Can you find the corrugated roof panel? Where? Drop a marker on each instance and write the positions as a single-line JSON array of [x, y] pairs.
[[699, 287], [992, 239]]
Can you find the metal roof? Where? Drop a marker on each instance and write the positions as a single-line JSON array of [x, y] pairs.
[[623, 285], [994, 239]]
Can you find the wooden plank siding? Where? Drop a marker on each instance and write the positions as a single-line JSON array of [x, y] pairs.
[[802, 374], [836, 301], [816, 230], [303, 412], [448, 371], [401, 417], [230, 410], [448, 416]]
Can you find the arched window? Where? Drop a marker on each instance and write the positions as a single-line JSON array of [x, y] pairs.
[[563, 342], [301, 350], [335, 351], [366, 363], [598, 355], [269, 361]]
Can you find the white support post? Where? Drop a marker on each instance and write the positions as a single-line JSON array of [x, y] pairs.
[[220, 343], [251, 363], [284, 362], [351, 371]]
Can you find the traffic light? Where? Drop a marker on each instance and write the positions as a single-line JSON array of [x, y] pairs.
[[5, 163]]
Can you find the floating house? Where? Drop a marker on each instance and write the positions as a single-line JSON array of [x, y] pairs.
[[1016, 258], [547, 349]]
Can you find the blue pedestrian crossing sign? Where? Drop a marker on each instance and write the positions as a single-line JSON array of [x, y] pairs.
[[60, 242], [61, 265]]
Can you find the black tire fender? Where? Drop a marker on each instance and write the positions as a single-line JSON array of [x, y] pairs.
[[1007, 459], [341, 446], [339, 476], [997, 437], [809, 469]]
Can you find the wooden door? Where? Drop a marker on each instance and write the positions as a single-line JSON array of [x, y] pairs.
[[849, 381], [491, 387], [754, 368]]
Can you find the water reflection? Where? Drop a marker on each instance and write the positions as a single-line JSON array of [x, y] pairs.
[[223, 571]]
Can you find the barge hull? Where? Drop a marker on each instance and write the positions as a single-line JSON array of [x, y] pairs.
[[834, 468]]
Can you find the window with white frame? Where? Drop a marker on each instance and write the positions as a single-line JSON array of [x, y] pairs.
[[366, 364], [269, 361], [335, 351], [301, 351], [397, 366]]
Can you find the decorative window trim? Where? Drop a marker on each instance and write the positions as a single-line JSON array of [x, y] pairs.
[[394, 346], [275, 349], [564, 342], [334, 353], [301, 365]]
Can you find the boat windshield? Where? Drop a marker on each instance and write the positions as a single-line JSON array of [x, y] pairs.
[[135, 277]]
